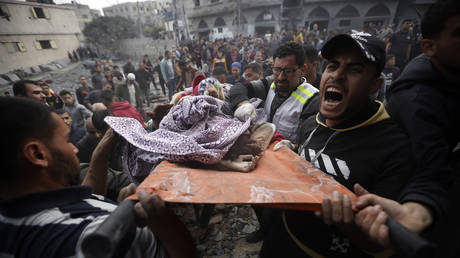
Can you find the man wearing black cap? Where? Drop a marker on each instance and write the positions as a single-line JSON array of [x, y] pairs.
[[345, 140]]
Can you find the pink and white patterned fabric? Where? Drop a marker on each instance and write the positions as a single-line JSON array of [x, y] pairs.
[[194, 130]]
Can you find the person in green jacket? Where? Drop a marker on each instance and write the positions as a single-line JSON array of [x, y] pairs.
[[130, 91]]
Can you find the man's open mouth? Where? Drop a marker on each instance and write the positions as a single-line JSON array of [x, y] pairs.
[[333, 96]]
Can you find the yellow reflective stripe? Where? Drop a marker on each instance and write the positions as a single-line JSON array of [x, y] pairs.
[[305, 91], [299, 98], [273, 85]]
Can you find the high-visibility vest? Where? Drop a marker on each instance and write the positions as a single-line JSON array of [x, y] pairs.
[[287, 116]]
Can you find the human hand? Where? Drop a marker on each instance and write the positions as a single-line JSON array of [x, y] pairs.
[[245, 111], [109, 139], [126, 191], [150, 211], [372, 217], [107, 143], [163, 222], [337, 210]]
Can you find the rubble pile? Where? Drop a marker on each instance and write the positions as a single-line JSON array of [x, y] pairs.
[[229, 226]]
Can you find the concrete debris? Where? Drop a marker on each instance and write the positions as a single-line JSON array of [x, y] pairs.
[[216, 219], [227, 238], [63, 63], [12, 77], [249, 229], [27, 71], [44, 68], [36, 69], [3, 82], [219, 236], [34, 72]]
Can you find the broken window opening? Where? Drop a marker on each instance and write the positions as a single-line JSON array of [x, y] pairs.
[[4, 13], [13, 47], [39, 13]]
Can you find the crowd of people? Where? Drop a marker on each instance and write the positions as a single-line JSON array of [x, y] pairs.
[[375, 110]]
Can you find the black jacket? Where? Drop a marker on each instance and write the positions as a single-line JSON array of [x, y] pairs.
[[427, 108], [370, 150], [376, 150], [128, 68]]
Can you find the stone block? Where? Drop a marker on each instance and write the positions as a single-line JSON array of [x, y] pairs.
[[3, 81], [216, 219], [44, 68], [27, 71], [12, 77], [36, 69], [50, 67], [62, 63]]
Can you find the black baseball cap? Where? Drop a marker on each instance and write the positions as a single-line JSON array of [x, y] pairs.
[[371, 47]]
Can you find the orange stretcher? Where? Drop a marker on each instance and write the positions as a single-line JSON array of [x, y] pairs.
[[282, 179]]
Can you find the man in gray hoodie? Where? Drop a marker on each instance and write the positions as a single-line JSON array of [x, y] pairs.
[[77, 111]]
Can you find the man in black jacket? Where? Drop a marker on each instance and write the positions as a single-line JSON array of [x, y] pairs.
[[424, 101], [345, 140], [157, 69], [129, 67], [142, 78]]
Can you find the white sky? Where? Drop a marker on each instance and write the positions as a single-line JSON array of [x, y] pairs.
[[97, 4]]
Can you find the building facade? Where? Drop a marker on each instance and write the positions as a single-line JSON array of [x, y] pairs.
[[247, 17], [148, 12], [84, 14], [33, 34]]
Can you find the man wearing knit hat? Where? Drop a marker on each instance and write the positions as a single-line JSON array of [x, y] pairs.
[[235, 77]]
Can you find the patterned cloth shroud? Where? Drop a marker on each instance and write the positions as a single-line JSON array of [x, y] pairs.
[[222, 89], [194, 130]]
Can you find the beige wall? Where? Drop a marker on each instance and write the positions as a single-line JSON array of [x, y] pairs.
[[32, 56], [22, 21], [61, 26]]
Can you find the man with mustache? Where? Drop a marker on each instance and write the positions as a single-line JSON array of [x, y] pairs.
[[29, 89], [352, 139], [288, 100], [44, 213]]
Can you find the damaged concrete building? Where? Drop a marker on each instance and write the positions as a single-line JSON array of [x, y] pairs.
[[33, 35], [267, 16]]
